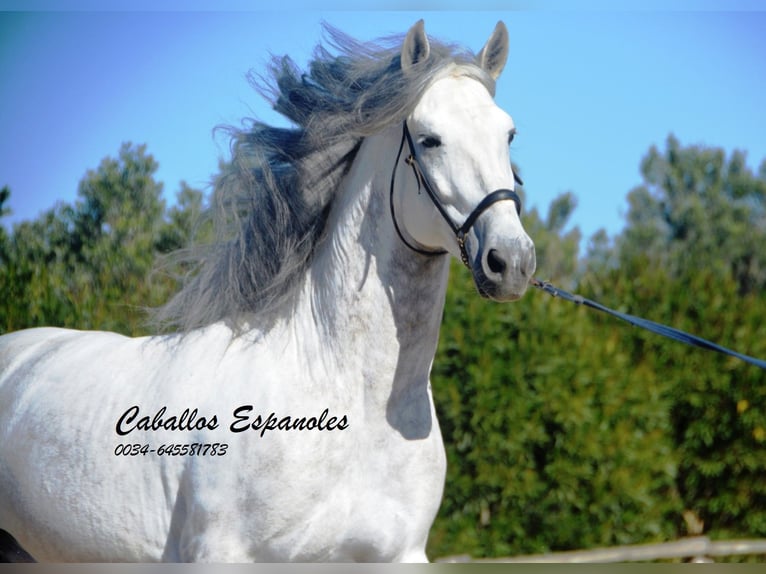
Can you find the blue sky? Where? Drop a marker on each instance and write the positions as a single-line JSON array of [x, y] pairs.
[[590, 89]]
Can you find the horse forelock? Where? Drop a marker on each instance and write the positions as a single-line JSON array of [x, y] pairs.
[[271, 201]]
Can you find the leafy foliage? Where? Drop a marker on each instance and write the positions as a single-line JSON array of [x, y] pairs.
[[563, 427], [550, 445], [89, 265]]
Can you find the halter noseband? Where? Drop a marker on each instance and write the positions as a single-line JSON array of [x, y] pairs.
[[461, 232]]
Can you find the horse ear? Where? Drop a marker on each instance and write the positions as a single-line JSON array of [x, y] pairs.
[[494, 54], [416, 47]]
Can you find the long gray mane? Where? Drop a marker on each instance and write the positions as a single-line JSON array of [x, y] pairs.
[[271, 202]]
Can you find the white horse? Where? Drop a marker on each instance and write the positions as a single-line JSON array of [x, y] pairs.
[[291, 418]]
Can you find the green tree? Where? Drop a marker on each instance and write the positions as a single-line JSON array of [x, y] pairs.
[[549, 445], [692, 255], [186, 222], [89, 265], [699, 209], [566, 428], [116, 222]]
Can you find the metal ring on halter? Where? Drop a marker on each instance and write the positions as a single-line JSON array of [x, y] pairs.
[[461, 232]]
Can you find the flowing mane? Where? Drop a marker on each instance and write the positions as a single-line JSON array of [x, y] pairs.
[[271, 202]]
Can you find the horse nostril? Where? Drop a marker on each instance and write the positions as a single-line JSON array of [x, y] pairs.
[[495, 263]]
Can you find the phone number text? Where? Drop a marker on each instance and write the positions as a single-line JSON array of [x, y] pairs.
[[193, 449]]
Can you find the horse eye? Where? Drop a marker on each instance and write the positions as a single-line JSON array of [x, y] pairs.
[[430, 142], [511, 135]]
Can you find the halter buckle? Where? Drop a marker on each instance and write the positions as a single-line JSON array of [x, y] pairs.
[[460, 236]]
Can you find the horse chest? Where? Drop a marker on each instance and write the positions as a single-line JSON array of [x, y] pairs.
[[382, 503], [364, 494]]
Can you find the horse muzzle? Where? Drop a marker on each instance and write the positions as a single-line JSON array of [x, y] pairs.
[[503, 268]]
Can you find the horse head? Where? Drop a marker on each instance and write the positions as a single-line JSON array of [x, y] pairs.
[[456, 142]]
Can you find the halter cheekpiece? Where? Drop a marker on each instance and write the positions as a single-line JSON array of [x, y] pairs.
[[460, 231]]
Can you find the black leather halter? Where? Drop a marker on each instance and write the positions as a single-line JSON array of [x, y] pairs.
[[460, 231]]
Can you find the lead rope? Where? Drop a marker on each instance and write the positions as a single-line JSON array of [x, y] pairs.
[[658, 328], [503, 194]]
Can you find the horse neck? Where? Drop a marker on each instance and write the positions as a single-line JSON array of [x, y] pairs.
[[376, 304]]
